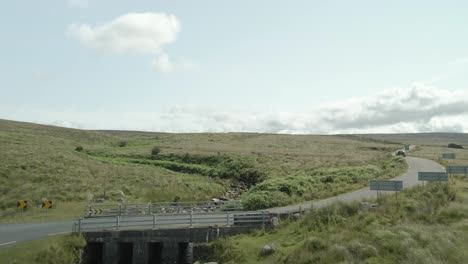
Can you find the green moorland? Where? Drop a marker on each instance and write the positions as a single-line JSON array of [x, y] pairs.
[[51, 250], [65, 165], [431, 145], [428, 224]]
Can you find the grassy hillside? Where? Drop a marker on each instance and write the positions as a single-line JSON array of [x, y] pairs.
[[40, 161], [427, 139], [426, 225]]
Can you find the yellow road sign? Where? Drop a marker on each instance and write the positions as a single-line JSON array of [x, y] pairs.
[[47, 204], [22, 204]]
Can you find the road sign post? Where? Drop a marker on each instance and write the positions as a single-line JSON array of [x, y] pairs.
[[47, 204], [22, 204], [382, 185], [448, 156], [432, 176], [457, 170]]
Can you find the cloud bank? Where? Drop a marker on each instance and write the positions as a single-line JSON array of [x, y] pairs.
[[416, 109], [133, 33]]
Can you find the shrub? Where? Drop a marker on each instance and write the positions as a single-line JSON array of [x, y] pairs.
[[68, 251], [122, 144], [79, 148], [155, 151], [453, 145], [264, 199]]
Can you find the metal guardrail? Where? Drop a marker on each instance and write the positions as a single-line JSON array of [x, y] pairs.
[[154, 221], [99, 210]]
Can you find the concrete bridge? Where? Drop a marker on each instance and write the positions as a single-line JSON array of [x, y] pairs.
[[153, 246], [161, 238]]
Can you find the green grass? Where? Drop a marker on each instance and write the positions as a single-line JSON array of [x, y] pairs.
[[427, 139], [51, 250], [40, 161], [426, 225]]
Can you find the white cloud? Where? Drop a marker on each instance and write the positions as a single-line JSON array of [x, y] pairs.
[[133, 33], [78, 3], [165, 65], [415, 109]]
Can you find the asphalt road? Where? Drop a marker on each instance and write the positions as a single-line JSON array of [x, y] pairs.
[[410, 179], [11, 234]]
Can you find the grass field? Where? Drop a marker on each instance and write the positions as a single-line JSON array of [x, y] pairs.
[[426, 225], [427, 139], [431, 145], [51, 250], [39, 161]]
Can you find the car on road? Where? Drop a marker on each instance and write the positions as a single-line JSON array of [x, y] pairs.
[[401, 153]]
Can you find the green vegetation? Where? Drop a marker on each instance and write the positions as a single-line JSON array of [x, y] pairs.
[[52, 250], [435, 153], [65, 165], [319, 183], [426, 225], [453, 145], [427, 139]]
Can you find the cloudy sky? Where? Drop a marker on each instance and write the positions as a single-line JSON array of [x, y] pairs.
[[272, 66]]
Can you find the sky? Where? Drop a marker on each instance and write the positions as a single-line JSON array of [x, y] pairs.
[[300, 67]]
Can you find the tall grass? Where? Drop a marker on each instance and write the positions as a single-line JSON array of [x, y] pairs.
[[425, 225]]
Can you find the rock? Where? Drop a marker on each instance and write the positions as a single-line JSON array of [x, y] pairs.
[[100, 200], [365, 206], [121, 200], [274, 221], [296, 216], [268, 249]]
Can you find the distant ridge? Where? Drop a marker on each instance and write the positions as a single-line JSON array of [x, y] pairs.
[[429, 139]]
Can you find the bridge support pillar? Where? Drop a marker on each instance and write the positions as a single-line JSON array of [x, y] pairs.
[[110, 252], [140, 252], [171, 252]]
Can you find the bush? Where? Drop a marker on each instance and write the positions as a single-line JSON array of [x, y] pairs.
[[264, 199], [79, 148], [68, 251], [155, 151], [122, 144], [453, 145]]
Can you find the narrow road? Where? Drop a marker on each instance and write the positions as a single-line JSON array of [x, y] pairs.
[[410, 179], [11, 234]]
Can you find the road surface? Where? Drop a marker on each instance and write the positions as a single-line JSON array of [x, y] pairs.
[[11, 234]]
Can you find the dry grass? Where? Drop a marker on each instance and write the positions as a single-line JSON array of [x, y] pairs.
[[38, 161]]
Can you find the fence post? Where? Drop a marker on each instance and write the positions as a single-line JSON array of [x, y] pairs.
[[154, 221], [79, 225], [120, 209], [227, 218], [191, 219], [117, 223], [263, 219]]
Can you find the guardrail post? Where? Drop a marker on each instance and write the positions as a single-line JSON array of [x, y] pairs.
[[227, 218], [117, 223], [79, 225], [263, 219], [191, 218], [120, 209], [154, 221]]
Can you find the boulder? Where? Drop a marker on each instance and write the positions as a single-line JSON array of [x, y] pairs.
[[296, 216], [274, 221], [268, 249]]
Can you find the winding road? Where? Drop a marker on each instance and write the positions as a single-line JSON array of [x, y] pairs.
[[11, 234]]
